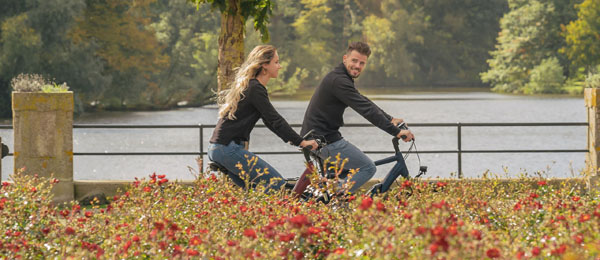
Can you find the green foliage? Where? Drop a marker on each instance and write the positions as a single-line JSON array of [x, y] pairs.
[[191, 43], [546, 78], [391, 36], [55, 88], [592, 80], [258, 10], [530, 33], [583, 34]]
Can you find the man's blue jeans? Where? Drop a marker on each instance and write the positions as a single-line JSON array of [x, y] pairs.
[[229, 156], [356, 160]]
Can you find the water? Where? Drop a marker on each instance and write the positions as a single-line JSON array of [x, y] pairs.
[[474, 107]]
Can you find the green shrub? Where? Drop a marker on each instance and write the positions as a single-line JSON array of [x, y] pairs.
[[592, 80], [546, 78]]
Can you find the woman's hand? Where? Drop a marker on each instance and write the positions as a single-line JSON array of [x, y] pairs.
[[312, 143]]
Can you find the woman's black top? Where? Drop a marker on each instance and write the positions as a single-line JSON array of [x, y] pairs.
[[254, 104]]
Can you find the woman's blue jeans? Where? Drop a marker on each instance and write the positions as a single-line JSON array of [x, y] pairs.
[[356, 160], [256, 169]]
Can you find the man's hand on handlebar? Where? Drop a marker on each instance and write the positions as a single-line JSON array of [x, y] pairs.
[[406, 135], [311, 143]]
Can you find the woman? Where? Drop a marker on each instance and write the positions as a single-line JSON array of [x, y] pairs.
[[240, 107]]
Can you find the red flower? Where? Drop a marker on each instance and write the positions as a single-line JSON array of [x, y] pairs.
[[380, 206], [390, 229], [159, 225], [420, 230], [190, 251], [351, 198], [33, 190], [69, 231], [64, 213], [366, 203], [339, 251], [162, 176], [406, 183], [298, 255], [559, 251], [578, 238], [299, 220], [441, 184], [408, 216], [135, 238], [575, 198], [476, 234], [195, 241], [584, 217], [286, 238], [162, 181], [127, 245], [493, 253], [438, 231], [174, 227], [147, 189], [89, 214], [535, 251], [251, 233], [542, 183], [517, 206], [231, 243], [243, 208], [313, 230], [433, 248], [5, 184]]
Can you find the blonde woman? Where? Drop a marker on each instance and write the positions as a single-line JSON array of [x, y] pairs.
[[240, 107]]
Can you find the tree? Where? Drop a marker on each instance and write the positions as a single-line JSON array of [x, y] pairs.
[[33, 39], [234, 14], [132, 54], [583, 36], [389, 37], [530, 33], [191, 43]]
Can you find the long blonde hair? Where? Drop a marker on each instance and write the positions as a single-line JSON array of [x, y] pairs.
[[228, 99]]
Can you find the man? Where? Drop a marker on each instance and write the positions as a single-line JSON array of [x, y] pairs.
[[325, 113]]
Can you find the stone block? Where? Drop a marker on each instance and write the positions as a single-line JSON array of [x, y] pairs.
[[43, 138]]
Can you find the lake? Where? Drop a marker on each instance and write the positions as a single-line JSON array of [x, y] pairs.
[[431, 107]]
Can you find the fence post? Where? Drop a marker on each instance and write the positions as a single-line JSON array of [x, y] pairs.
[[459, 146], [592, 103], [43, 134]]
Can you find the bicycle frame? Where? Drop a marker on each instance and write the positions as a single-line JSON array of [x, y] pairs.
[[399, 169]]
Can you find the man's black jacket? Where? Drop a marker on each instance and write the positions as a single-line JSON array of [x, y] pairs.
[[326, 109]]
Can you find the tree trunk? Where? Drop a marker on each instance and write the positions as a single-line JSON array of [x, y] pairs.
[[231, 44]]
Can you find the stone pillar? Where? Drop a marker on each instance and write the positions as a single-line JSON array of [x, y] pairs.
[[592, 103], [43, 132], [0, 159]]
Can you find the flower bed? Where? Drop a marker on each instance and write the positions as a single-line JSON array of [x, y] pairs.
[[155, 218]]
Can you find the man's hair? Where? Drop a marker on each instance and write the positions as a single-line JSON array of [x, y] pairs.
[[360, 47]]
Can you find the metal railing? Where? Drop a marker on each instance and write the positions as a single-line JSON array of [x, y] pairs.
[[459, 126]]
